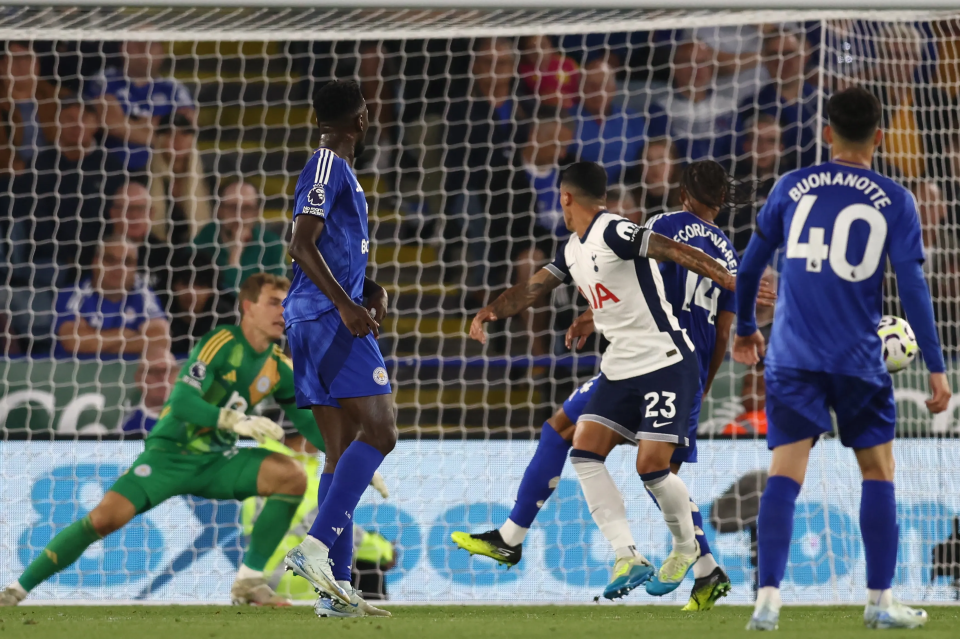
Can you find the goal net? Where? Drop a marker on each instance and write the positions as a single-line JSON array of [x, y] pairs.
[[148, 159]]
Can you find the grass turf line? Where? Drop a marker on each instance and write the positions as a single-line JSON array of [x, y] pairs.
[[442, 622]]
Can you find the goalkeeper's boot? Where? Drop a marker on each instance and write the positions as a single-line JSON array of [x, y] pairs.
[[489, 544], [707, 590], [628, 573], [311, 561], [363, 606], [764, 617], [11, 597], [256, 592], [896, 615], [672, 572]]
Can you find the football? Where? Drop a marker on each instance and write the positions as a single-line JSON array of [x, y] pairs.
[[899, 343]]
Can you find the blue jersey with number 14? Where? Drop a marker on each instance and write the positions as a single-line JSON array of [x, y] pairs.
[[696, 300], [328, 189], [838, 223]]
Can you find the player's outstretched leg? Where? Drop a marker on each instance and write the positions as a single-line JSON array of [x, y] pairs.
[[592, 442], [540, 479], [880, 532], [775, 529], [673, 498], [282, 481], [353, 473], [111, 514], [711, 583]]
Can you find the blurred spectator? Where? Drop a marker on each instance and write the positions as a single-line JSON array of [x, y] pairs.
[[196, 306], [237, 241], [932, 210], [19, 80], [62, 196], [181, 197], [536, 237], [621, 202], [483, 132], [134, 98], [129, 217], [155, 380], [789, 98], [947, 37], [761, 147], [899, 54], [548, 73], [701, 120], [607, 131], [112, 313], [659, 182]]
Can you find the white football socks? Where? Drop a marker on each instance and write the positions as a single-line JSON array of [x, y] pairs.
[[244, 572], [606, 504], [513, 535], [671, 493], [313, 545], [769, 597], [704, 566], [880, 598]]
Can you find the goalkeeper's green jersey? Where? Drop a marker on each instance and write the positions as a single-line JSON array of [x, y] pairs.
[[224, 371]]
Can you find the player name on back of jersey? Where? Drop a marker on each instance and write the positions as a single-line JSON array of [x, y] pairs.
[[837, 177], [699, 229]]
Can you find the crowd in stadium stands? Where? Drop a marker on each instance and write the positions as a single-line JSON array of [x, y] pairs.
[[117, 242]]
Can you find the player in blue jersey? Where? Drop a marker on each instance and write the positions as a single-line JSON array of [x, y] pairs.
[[705, 312], [839, 223], [338, 370]]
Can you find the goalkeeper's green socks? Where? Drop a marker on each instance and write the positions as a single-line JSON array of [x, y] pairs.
[[272, 525], [60, 553]]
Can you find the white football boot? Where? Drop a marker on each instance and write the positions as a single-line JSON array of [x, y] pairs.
[[311, 560], [895, 615]]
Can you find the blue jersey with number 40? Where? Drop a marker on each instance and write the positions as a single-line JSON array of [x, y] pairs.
[[838, 224], [696, 300], [328, 189]]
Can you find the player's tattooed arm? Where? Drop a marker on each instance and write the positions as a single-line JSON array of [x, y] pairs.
[[663, 249], [303, 249], [515, 299]]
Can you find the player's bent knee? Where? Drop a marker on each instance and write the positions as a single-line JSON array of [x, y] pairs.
[[282, 475], [112, 513], [653, 456], [562, 424]]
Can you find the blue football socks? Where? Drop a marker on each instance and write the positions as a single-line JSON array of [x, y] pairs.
[[878, 526], [541, 476], [351, 477], [775, 528]]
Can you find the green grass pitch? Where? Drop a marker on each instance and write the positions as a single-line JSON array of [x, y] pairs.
[[443, 622]]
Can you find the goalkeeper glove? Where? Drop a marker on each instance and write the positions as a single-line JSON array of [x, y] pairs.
[[379, 485], [259, 428]]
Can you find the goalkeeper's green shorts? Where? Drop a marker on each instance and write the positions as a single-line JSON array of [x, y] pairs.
[[157, 475]]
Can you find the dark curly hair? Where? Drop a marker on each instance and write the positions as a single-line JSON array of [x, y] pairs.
[[336, 100], [707, 182]]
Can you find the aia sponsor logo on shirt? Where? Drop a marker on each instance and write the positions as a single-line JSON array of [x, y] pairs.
[[598, 294]]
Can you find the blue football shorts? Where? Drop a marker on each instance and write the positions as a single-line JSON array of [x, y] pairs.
[[574, 406], [329, 363], [656, 406], [799, 403]]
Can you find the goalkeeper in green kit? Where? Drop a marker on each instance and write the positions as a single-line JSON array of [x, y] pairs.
[[192, 449]]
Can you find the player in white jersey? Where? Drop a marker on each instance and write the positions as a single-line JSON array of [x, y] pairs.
[[649, 375]]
